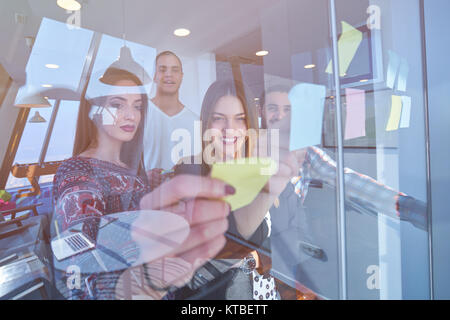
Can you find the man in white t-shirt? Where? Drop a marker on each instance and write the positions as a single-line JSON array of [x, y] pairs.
[[170, 127]]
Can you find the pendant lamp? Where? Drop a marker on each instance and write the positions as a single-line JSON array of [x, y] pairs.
[[126, 61], [37, 118]]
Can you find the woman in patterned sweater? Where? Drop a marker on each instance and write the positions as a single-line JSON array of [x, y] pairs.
[[106, 175]]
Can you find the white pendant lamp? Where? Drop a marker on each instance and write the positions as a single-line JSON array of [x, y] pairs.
[[34, 100], [126, 61], [37, 118]]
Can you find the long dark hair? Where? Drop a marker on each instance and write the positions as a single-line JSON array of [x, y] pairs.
[[86, 136], [219, 89]]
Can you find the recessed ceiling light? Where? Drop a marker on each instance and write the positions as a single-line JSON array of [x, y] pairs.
[[71, 5], [310, 66], [52, 66], [46, 98], [262, 53], [47, 85], [181, 32]]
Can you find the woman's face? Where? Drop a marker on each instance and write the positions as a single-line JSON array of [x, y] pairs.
[[229, 119], [124, 113]]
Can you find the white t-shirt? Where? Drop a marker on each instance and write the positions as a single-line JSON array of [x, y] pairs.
[[170, 138]]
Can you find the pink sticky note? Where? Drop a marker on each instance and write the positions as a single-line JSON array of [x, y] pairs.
[[355, 124]]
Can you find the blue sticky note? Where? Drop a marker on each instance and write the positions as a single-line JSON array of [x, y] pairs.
[[403, 75], [394, 64], [307, 106], [406, 112]]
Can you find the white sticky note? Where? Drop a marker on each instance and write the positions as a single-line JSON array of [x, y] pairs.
[[355, 120], [406, 112], [403, 75], [394, 63], [307, 105]]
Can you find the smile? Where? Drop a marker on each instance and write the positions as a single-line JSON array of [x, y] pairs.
[[128, 128], [232, 140]]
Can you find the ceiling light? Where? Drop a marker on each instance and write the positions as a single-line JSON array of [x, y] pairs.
[[262, 53], [181, 32], [310, 66], [364, 80], [46, 85], [37, 118], [32, 101], [71, 5], [52, 66], [127, 63]]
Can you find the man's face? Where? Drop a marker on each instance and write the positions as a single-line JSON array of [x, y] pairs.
[[168, 74], [277, 110]]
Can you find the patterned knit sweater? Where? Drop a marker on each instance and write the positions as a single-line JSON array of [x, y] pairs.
[[86, 187]]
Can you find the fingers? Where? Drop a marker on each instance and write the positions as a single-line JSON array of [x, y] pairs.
[[287, 169], [154, 177], [204, 252], [185, 187], [197, 211], [179, 269], [202, 234]]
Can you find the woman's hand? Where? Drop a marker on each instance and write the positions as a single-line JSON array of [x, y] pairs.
[[198, 201], [288, 167], [155, 178]]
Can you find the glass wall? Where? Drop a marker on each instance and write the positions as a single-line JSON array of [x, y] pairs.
[[383, 114], [341, 85]]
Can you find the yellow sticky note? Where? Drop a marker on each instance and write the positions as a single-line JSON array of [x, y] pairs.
[[248, 176], [348, 44], [396, 112]]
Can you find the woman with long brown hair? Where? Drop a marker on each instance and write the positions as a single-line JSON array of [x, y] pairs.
[[230, 132], [106, 175]]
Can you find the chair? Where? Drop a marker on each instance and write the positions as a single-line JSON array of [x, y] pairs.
[[18, 221], [13, 212]]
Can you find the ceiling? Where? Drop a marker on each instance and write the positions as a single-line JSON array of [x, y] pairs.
[[227, 28]]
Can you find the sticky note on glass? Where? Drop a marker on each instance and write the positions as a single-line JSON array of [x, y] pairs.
[[406, 112], [396, 111], [348, 44], [403, 75], [355, 122], [248, 177], [307, 105], [394, 63]]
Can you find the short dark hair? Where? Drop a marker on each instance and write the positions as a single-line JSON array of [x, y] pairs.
[[275, 88], [168, 53], [262, 99]]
